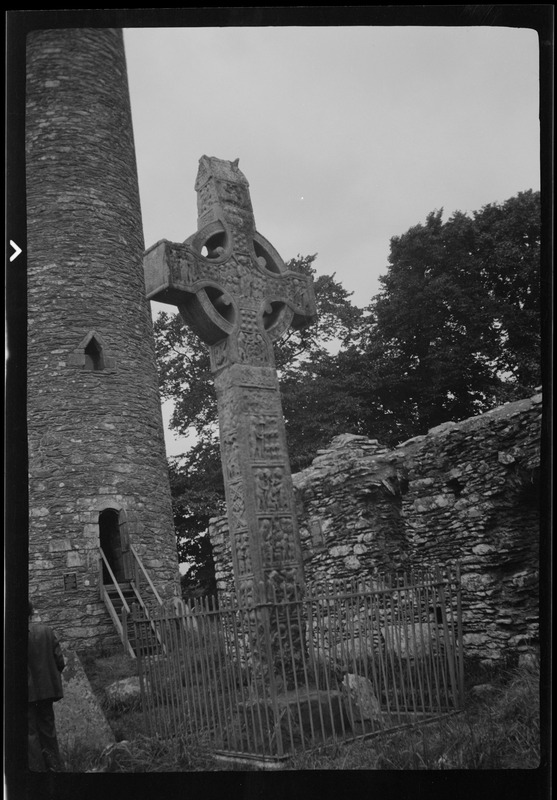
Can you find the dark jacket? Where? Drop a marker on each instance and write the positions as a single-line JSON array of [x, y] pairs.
[[45, 664]]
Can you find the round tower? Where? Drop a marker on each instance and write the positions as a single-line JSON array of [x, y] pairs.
[[98, 477]]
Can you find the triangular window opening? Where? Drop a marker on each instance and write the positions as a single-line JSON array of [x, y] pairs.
[[92, 354], [94, 359]]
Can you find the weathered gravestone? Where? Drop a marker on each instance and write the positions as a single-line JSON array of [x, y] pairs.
[[233, 289]]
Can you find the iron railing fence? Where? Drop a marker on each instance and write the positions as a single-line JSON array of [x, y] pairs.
[[349, 659]]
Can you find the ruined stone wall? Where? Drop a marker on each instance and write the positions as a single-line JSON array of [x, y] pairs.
[[465, 492], [95, 434], [473, 497]]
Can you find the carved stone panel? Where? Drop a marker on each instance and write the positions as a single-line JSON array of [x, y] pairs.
[[264, 439], [283, 583], [241, 547], [231, 456], [271, 489], [254, 347], [237, 506], [277, 540]]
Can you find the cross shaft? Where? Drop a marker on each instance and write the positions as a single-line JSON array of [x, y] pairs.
[[233, 289]]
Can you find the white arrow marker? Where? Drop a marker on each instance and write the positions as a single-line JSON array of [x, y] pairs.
[[17, 250]]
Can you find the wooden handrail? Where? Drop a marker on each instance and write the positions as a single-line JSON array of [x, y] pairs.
[[114, 581], [121, 624], [146, 574], [139, 599], [117, 623], [124, 623]]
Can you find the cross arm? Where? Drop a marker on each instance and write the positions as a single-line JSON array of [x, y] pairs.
[[173, 276]]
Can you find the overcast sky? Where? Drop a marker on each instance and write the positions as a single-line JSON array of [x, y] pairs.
[[347, 135]]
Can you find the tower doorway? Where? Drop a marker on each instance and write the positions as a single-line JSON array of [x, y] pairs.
[[112, 545]]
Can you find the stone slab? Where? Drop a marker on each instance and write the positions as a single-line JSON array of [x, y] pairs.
[[79, 717]]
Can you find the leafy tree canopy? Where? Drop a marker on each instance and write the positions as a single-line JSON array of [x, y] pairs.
[[456, 324]]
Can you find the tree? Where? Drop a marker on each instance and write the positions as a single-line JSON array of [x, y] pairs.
[[195, 498], [508, 248], [316, 407], [454, 330]]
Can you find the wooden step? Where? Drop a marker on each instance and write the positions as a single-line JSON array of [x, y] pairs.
[[130, 596]]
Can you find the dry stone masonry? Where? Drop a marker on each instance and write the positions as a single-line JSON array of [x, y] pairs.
[[466, 491], [96, 445]]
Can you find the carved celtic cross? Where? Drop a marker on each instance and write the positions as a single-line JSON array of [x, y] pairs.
[[233, 289]]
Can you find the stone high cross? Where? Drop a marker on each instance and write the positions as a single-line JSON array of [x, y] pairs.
[[233, 289]]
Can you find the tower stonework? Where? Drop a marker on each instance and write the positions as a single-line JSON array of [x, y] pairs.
[[97, 465]]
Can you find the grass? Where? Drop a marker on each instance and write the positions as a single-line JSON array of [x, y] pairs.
[[498, 728]]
